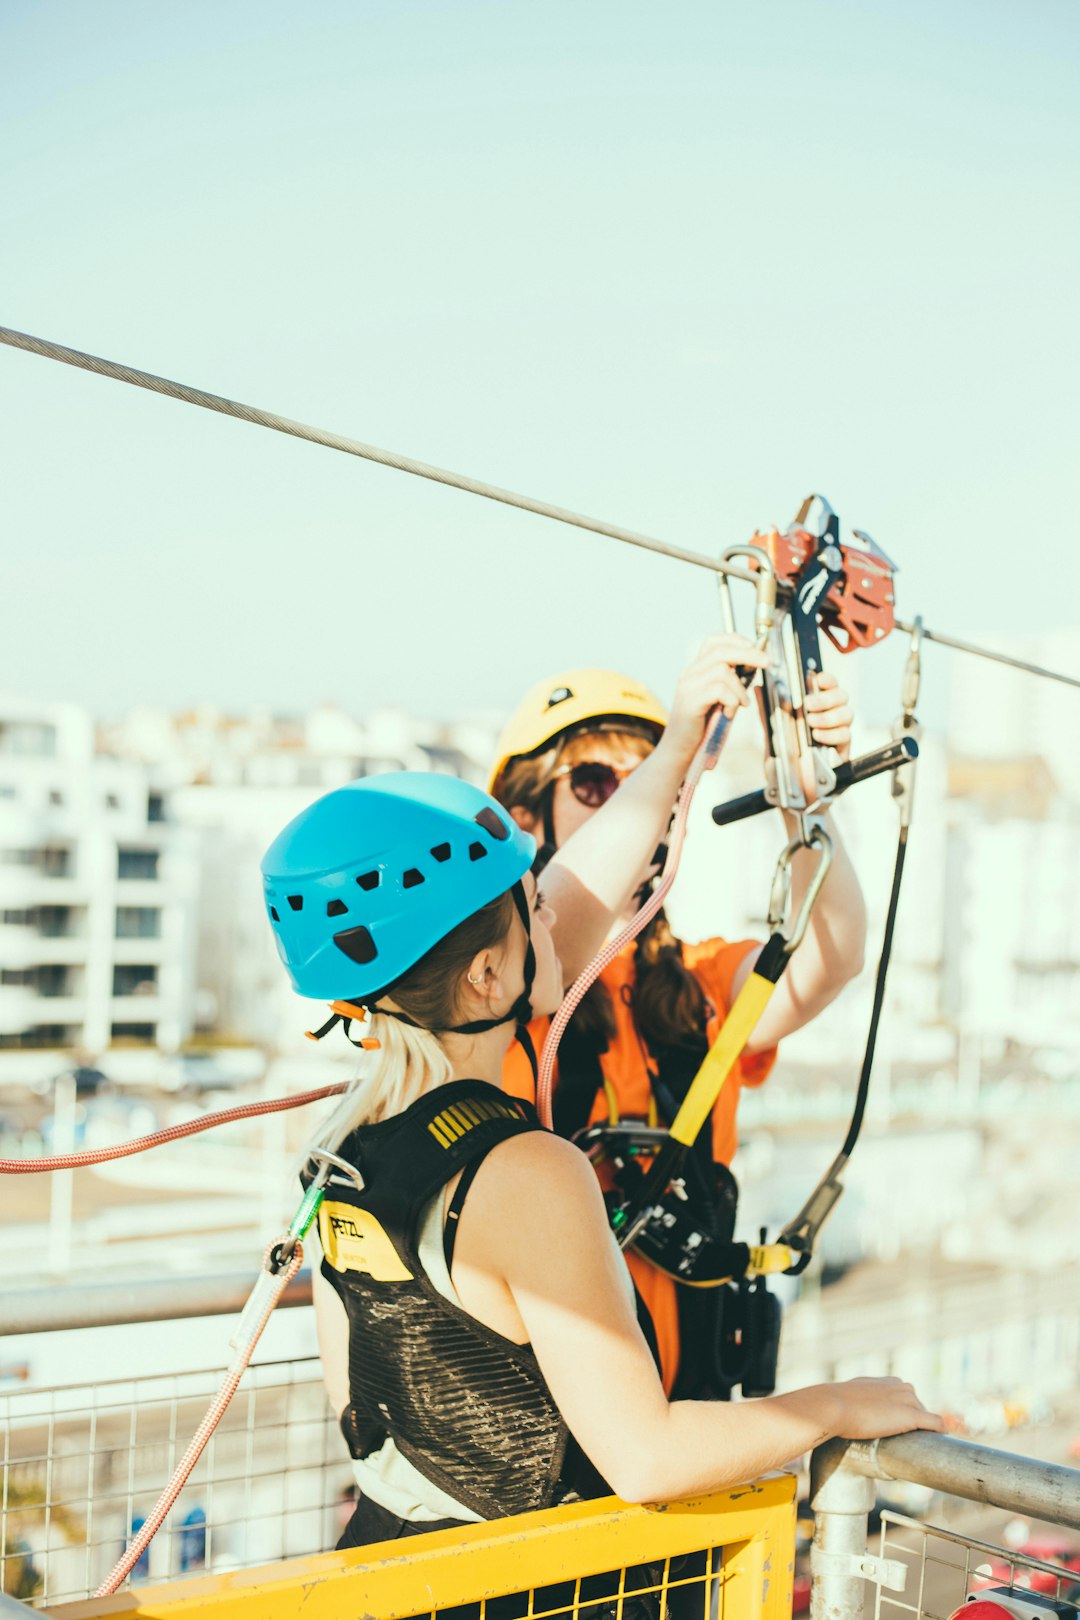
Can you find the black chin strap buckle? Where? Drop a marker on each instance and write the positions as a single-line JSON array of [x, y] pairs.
[[323, 1029]]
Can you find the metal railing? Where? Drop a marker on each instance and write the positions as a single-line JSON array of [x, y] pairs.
[[83, 1462], [942, 1566], [89, 1305]]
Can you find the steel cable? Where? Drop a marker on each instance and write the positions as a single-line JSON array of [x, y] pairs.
[[422, 469], [355, 447]]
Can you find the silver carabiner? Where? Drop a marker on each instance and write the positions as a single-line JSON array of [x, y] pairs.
[[326, 1162], [903, 782], [780, 894], [764, 591], [909, 690]]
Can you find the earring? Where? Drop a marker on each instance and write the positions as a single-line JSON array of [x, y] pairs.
[[476, 982]]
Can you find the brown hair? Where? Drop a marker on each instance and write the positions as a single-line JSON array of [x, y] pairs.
[[430, 991], [410, 1060], [667, 1001]]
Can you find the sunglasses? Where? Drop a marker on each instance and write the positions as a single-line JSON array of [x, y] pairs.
[[592, 783]]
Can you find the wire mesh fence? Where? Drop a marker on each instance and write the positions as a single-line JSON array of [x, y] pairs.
[[83, 1464], [944, 1568]]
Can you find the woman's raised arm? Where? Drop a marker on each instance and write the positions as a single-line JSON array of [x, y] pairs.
[[593, 876]]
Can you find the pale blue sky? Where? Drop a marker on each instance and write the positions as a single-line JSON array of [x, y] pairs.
[[672, 265]]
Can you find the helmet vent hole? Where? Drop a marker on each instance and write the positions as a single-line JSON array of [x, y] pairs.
[[336, 908], [492, 823], [273, 913], [477, 852], [357, 944], [368, 880], [441, 852], [411, 878], [296, 901]]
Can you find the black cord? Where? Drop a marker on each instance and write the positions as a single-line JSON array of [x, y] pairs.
[[879, 999]]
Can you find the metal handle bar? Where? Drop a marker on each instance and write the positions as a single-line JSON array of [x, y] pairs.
[[887, 758]]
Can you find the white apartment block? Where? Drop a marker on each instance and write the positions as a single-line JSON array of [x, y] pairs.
[[98, 894], [234, 782]]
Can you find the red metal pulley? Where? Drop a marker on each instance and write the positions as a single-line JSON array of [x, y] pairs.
[[859, 611]]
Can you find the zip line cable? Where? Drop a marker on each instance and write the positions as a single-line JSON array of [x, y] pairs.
[[422, 469], [354, 447]]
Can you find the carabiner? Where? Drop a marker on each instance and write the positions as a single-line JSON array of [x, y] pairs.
[[764, 591], [302, 1222], [909, 690], [327, 1161], [903, 782], [780, 894]]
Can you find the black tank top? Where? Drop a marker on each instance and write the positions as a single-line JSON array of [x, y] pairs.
[[468, 1408]]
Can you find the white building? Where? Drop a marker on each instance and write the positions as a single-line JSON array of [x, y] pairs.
[[233, 783], [98, 893]]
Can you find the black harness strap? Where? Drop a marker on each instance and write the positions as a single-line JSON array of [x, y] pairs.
[[453, 1214], [801, 1232]]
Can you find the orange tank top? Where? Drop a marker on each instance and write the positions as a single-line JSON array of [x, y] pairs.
[[625, 1067]]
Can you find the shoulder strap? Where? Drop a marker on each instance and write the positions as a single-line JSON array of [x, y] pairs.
[[457, 1204], [406, 1160], [580, 1078]]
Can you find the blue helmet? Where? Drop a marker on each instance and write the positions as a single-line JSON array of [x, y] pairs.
[[361, 884]]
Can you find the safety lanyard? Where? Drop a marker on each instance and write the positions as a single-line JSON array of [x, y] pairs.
[[795, 657]]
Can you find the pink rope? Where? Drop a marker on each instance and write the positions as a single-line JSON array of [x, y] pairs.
[[703, 761], [215, 1412], [173, 1133]]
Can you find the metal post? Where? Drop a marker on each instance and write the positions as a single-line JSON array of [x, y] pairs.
[[841, 1502]]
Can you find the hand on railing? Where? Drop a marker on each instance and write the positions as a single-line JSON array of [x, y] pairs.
[[870, 1408]]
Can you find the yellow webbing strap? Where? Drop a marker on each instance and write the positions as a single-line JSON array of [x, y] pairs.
[[721, 1058]]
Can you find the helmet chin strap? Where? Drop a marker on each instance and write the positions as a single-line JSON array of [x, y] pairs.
[[521, 1012], [549, 847]]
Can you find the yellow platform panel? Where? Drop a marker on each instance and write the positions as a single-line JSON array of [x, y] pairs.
[[751, 1527]]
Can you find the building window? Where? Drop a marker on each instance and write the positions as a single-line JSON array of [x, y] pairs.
[[56, 798], [135, 1034], [134, 979], [138, 922], [19, 919], [137, 864], [14, 976], [155, 807], [27, 739], [112, 802], [54, 860], [53, 979], [60, 922], [42, 1035]]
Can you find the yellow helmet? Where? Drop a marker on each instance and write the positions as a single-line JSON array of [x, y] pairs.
[[567, 701]]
